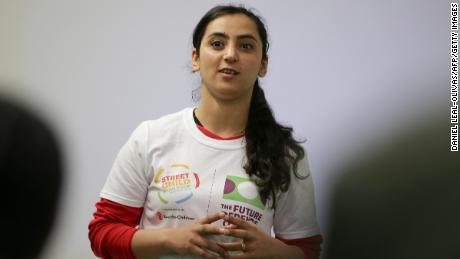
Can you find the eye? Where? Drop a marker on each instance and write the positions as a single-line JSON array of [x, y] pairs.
[[247, 46], [217, 44]]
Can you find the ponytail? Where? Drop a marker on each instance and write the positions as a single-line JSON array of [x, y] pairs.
[[272, 153]]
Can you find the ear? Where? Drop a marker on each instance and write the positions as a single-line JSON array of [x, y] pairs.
[[195, 61], [263, 67]]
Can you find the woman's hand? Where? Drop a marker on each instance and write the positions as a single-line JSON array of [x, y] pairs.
[[255, 242], [186, 240], [191, 239]]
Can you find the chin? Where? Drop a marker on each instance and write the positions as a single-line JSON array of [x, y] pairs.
[[228, 91], [232, 95]]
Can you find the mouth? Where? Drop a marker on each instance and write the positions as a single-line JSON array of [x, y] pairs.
[[229, 71]]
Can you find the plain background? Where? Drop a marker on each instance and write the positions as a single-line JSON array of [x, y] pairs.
[[345, 74]]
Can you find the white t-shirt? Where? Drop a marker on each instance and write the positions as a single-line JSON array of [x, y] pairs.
[[178, 174]]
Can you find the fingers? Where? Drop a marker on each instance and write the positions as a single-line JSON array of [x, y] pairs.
[[239, 222], [202, 252], [211, 229], [240, 233], [206, 244], [234, 246], [231, 226], [242, 256], [211, 218]]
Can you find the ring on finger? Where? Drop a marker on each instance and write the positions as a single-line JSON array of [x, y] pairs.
[[243, 246]]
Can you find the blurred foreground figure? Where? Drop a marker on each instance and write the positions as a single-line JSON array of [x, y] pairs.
[[401, 202], [30, 168]]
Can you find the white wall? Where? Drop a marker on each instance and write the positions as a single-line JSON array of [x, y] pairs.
[[345, 74]]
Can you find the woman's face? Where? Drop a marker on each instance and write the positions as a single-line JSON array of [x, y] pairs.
[[230, 57]]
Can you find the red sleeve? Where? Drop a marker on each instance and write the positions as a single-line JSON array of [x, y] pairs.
[[112, 229], [311, 246]]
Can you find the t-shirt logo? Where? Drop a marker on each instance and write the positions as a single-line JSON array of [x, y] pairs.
[[243, 190], [175, 183]]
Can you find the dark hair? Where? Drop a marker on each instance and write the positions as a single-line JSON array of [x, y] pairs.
[[272, 153]]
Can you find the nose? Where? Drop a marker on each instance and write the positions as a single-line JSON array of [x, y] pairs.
[[231, 55]]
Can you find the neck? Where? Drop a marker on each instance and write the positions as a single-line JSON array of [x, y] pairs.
[[225, 118]]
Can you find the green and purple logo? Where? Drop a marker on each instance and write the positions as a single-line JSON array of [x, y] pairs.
[[243, 190]]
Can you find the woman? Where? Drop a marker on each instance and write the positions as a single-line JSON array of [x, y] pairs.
[[211, 181]]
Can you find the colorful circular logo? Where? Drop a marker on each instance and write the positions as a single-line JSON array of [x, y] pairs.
[[176, 183]]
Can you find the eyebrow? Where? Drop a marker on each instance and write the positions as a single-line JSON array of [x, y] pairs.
[[242, 36]]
